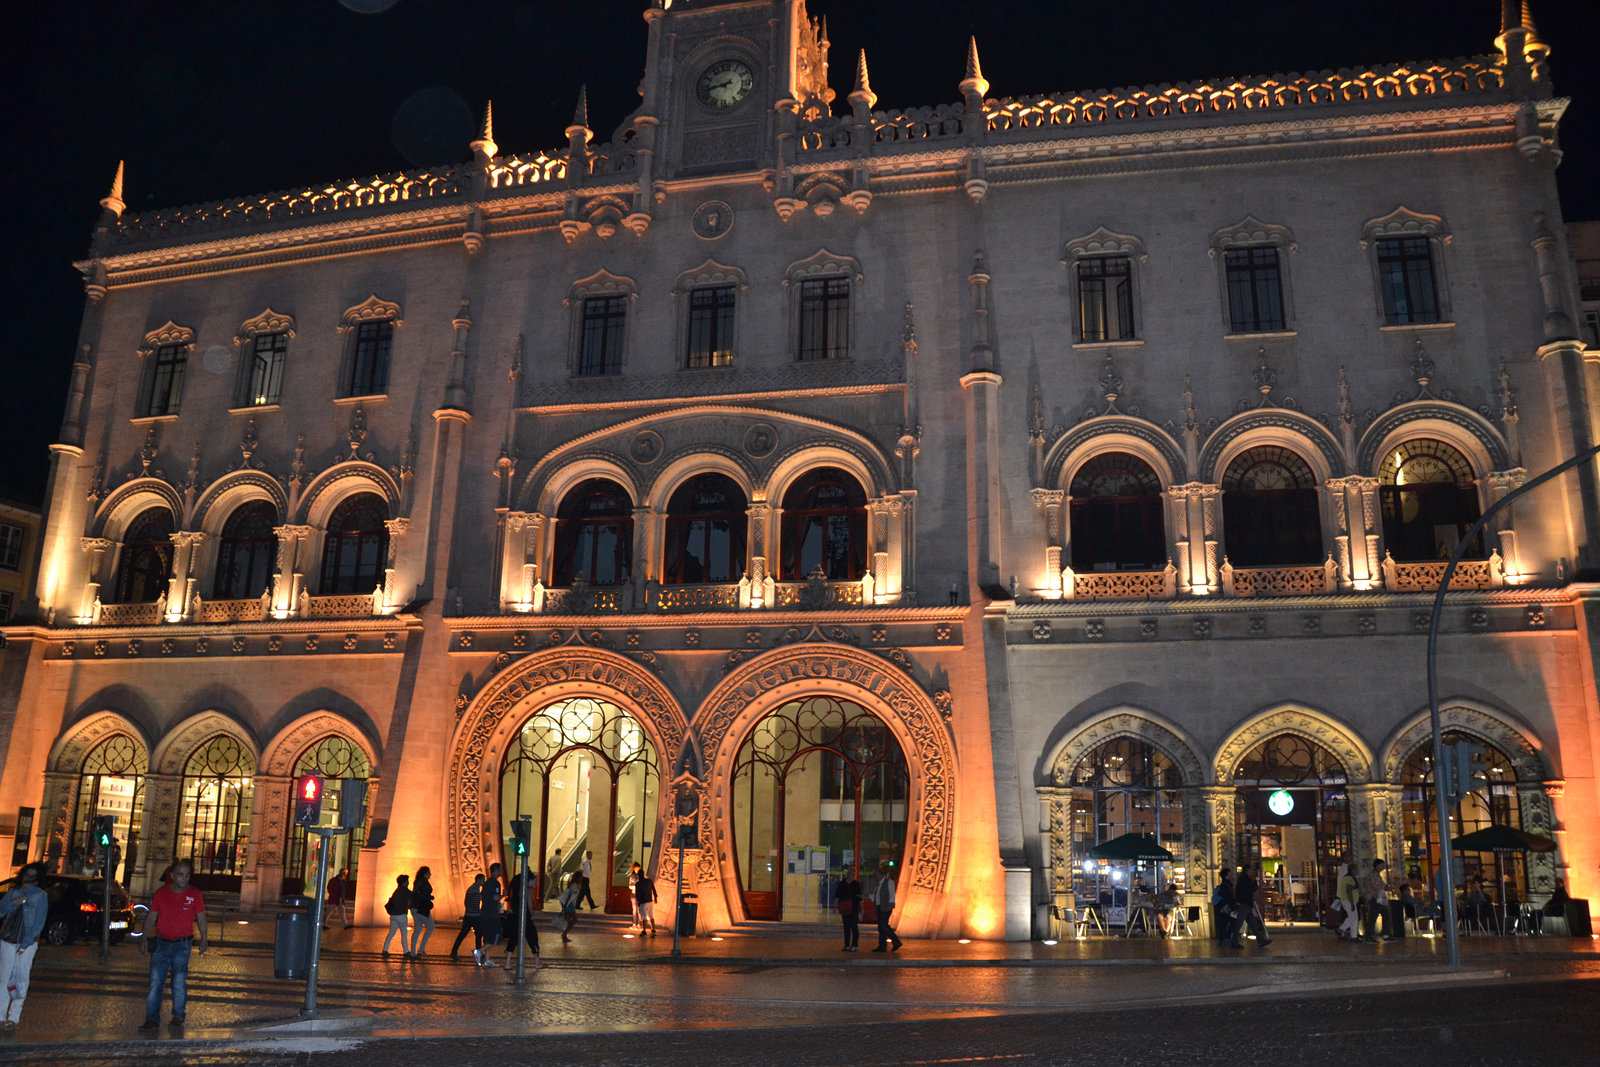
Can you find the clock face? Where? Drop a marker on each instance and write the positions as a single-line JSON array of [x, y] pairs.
[[724, 83]]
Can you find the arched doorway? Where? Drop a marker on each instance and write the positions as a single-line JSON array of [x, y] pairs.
[[1292, 813], [1429, 502], [818, 771], [1124, 786], [111, 782], [337, 760], [214, 812], [1492, 802], [587, 774]]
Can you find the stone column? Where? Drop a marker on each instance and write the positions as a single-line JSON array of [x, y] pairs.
[[161, 800], [1051, 501], [288, 582], [760, 532], [880, 514], [97, 549], [180, 584], [908, 546], [1210, 497], [53, 826], [1368, 815], [513, 552], [386, 599], [1501, 484], [1536, 802], [1218, 801]]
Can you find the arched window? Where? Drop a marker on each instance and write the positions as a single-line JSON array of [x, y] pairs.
[[111, 782], [214, 821], [706, 528], [588, 775], [1116, 516], [818, 770], [824, 525], [1124, 786], [1429, 502], [594, 535], [1492, 802], [337, 759], [146, 558], [245, 556], [356, 545], [1269, 510], [1292, 812]]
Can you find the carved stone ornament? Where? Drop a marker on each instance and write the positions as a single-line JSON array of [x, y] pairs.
[[789, 672], [646, 447], [712, 219], [1335, 738], [760, 440]]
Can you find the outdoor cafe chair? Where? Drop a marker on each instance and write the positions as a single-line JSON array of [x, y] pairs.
[[1184, 920]]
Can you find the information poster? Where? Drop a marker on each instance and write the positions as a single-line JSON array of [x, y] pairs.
[[19, 847]]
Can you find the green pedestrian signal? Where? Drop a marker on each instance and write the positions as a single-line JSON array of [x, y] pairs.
[[521, 836]]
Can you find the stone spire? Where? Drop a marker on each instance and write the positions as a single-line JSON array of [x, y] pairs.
[[1518, 33], [580, 117], [483, 145], [862, 92], [113, 201], [974, 81]]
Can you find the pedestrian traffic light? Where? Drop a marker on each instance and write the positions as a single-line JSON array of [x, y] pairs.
[[353, 803], [521, 836], [103, 825], [308, 799]]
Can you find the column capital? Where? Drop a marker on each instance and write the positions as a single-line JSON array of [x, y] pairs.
[[97, 544], [1044, 498]]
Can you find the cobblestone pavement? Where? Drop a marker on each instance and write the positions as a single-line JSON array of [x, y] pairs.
[[602, 988]]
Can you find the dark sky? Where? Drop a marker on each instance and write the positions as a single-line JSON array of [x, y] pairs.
[[208, 99]]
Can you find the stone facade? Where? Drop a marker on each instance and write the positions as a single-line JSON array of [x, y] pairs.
[[949, 316]]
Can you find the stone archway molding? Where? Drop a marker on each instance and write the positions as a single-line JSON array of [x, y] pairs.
[[1125, 722], [179, 744], [805, 669], [1313, 726], [292, 740], [1494, 727], [75, 743], [491, 719]]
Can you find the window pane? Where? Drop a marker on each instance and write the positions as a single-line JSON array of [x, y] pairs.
[[824, 318], [369, 368], [603, 320], [1255, 292], [711, 327], [1405, 274], [266, 368], [166, 387], [1105, 299]]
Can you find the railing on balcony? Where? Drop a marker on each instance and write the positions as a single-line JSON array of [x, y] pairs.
[[691, 598], [584, 600], [1279, 581], [818, 595], [348, 606], [148, 614], [1425, 577], [1123, 585], [252, 609]]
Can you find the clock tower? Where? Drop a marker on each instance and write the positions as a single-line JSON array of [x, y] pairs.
[[722, 78]]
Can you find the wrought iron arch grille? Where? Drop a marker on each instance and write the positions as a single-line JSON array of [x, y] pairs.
[[1492, 802], [548, 775], [1116, 515], [1430, 501], [111, 782], [1292, 811], [1123, 786], [859, 771], [336, 759], [214, 822], [1270, 512]]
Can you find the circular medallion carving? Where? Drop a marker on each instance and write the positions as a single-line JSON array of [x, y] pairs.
[[646, 447], [760, 440], [712, 219]]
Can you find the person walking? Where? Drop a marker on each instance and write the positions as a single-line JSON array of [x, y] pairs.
[[421, 911], [883, 903], [399, 907], [338, 890], [489, 918], [569, 906], [1349, 895], [1375, 891], [472, 907], [517, 905], [552, 876], [1225, 902], [1245, 889], [634, 874], [644, 893], [176, 909], [22, 916], [848, 901], [587, 870]]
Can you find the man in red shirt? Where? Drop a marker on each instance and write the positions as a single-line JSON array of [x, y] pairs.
[[175, 909]]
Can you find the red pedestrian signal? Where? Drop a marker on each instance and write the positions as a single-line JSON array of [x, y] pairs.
[[308, 799]]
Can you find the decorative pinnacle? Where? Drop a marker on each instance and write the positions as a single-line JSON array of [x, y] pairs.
[[484, 143], [1518, 31], [113, 201], [974, 81], [863, 86], [579, 131]]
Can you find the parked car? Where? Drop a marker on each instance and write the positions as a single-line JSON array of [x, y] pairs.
[[75, 902]]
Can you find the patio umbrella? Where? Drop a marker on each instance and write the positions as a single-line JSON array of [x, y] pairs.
[[1501, 839], [1130, 848]]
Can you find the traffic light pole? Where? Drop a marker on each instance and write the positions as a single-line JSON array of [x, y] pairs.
[[105, 903], [327, 833]]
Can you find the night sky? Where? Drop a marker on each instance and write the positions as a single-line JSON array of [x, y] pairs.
[[210, 99]]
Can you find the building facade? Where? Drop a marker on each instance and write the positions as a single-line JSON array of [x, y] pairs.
[[786, 485]]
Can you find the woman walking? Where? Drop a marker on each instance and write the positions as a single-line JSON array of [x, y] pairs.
[[397, 907], [421, 911], [634, 874], [515, 906], [22, 917]]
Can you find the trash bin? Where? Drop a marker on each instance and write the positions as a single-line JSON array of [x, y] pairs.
[[291, 947], [688, 914]]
